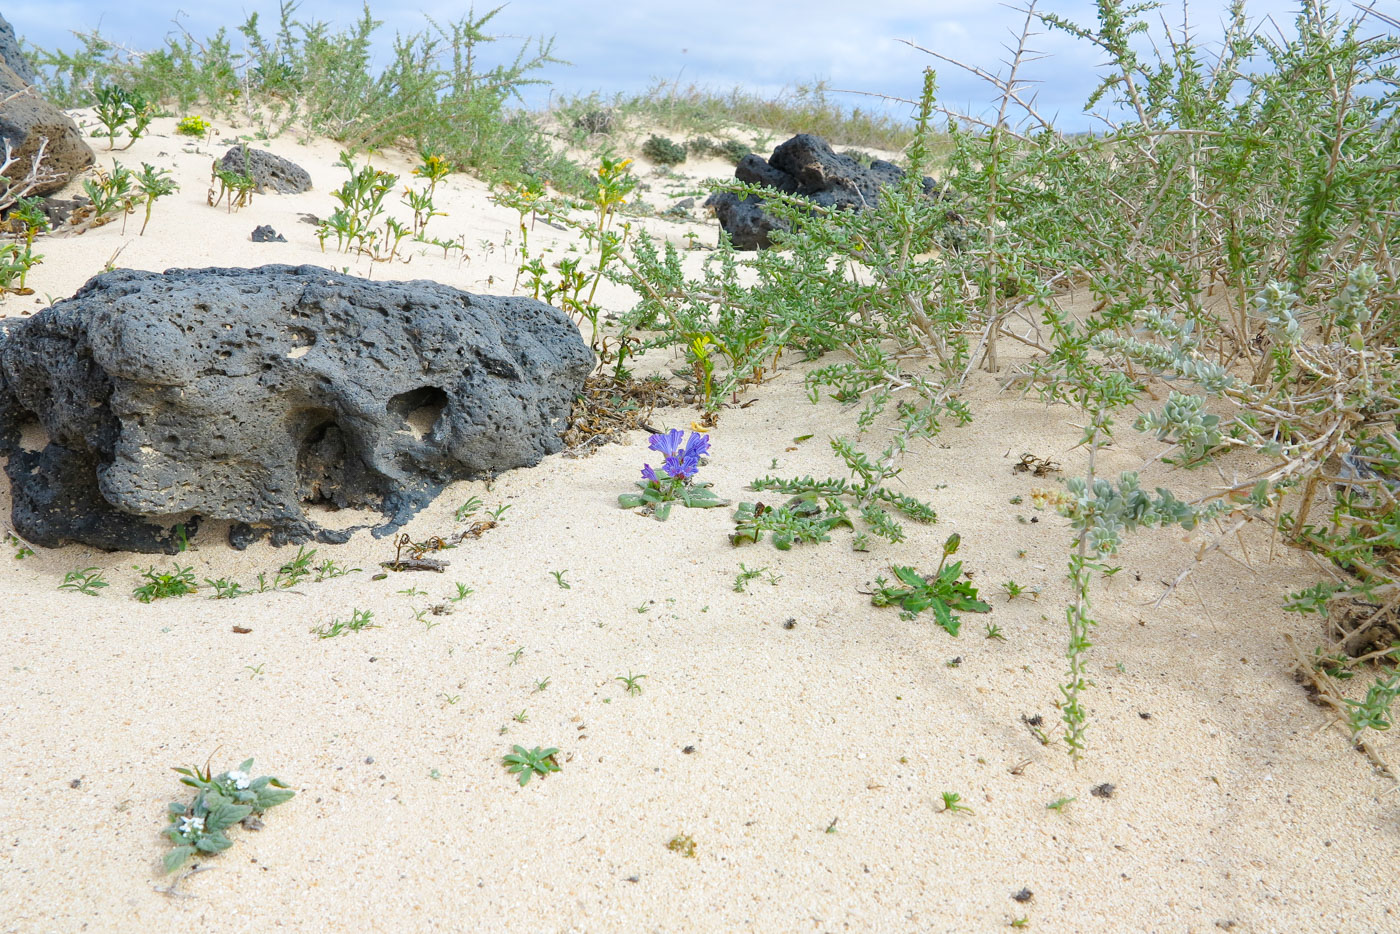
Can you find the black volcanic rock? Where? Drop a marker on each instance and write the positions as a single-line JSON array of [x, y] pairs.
[[154, 399], [268, 171], [805, 166]]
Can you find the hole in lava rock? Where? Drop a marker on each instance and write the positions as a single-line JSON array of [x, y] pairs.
[[320, 458], [302, 341], [32, 436], [420, 408]]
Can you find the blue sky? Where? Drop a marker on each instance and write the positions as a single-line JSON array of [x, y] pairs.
[[623, 45]]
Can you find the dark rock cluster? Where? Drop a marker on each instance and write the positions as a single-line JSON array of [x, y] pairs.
[[805, 166], [149, 400]]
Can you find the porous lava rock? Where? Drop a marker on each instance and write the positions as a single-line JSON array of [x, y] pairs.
[[26, 120], [806, 166], [267, 170], [150, 400], [11, 55], [263, 233]]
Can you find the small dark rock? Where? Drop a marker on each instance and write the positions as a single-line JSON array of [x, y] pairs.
[[685, 204], [1023, 896], [789, 623], [77, 782], [265, 234], [1145, 715], [268, 171], [688, 750], [1103, 791]]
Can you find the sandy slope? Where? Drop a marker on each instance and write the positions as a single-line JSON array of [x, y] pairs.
[[1235, 807]]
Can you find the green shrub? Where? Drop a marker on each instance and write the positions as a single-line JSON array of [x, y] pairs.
[[663, 151]]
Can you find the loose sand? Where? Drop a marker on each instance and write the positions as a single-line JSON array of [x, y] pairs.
[[1235, 806]]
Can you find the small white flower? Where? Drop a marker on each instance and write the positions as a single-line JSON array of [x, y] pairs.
[[191, 824], [240, 779]]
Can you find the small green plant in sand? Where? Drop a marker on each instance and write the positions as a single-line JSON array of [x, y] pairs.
[[152, 183], [193, 125], [200, 827], [746, 574], [952, 803], [467, 509], [118, 109], [819, 506], [22, 550], [527, 763], [84, 580], [682, 843], [674, 481], [359, 619], [499, 513], [942, 592], [162, 584], [559, 579], [630, 683], [463, 592], [1060, 804], [225, 589], [235, 188], [109, 194]]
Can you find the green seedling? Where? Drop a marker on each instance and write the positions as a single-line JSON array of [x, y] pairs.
[[467, 509], [158, 586], [499, 512], [541, 686], [413, 592], [559, 579], [116, 107], [951, 803], [1059, 804], [225, 589], [200, 827], [359, 619], [515, 656], [254, 670], [942, 593], [463, 592], [153, 183], [1013, 590], [994, 632], [84, 580], [745, 575], [522, 717], [629, 683], [528, 763]]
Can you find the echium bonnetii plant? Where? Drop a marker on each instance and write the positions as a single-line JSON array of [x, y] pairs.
[[674, 481], [222, 801]]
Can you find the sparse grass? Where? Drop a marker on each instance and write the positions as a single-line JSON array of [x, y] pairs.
[[359, 620], [801, 108]]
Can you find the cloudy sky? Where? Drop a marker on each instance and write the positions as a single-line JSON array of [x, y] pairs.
[[624, 45]]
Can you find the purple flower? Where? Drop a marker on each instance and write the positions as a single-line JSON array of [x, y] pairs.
[[682, 458]]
